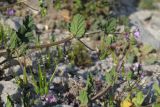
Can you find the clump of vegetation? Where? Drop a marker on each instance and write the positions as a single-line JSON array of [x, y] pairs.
[[93, 10], [148, 4], [79, 55], [122, 47]]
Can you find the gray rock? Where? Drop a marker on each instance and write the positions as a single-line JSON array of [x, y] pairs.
[[33, 3], [123, 7], [12, 70], [63, 106], [62, 68], [18, 105], [40, 27], [157, 5], [8, 88], [57, 31], [14, 22], [152, 68], [105, 64], [10, 67], [121, 88], [92, 68], [127, 2], [3, 3], [148, 23], [2, 59], [83, 73], [57, 80], [145, 80]]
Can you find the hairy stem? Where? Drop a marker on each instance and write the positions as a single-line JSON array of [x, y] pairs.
[[19, 2], [86, 45]]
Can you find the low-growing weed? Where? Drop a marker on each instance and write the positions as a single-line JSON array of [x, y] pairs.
[[41, 86], [122, 47], [79, 55]]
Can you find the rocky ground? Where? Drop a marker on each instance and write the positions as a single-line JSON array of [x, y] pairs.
[[75, 77]]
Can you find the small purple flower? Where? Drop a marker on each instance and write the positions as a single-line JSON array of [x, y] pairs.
[[142, 75], [136, 33], [136, 66], [11, 12], [50, 99]]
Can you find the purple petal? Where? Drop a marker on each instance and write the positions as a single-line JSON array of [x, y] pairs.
[[11, 12], [136, 65], [142, 75], [136, 33], [50, 99]]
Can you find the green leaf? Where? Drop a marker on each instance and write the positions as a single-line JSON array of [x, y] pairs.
[[103, 55], [78, 3], [77, 27], [146, 49], [136, 51], [40, 76], [89, 85], [28, 22], [111, 76], [109, 40], [22, 29], [34, 83], [129, 75], [59, 52], [103, 51], [13, 41], [25, 32], [108, 78], [83, 97], [130, 57], [1, 32], [123, 20], [22, 49], [156, 88], [132, 40], [43, 7], [46, 89], [43, 11], [58, 4], [53, 75], [9, 102], [114, 57], [156, 105], [138, 100], [30, 36], [42, 86], [25, 76], [110, 26]]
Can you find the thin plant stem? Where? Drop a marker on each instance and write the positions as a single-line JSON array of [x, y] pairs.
[[86, 45], [19, 2]]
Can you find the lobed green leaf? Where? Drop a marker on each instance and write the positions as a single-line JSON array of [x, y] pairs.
[[83, 97], [77, 27]]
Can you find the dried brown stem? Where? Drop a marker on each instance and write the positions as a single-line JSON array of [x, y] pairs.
[[86, 45], [51, 44], [121, 60], [101, 93], [11, 5]]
